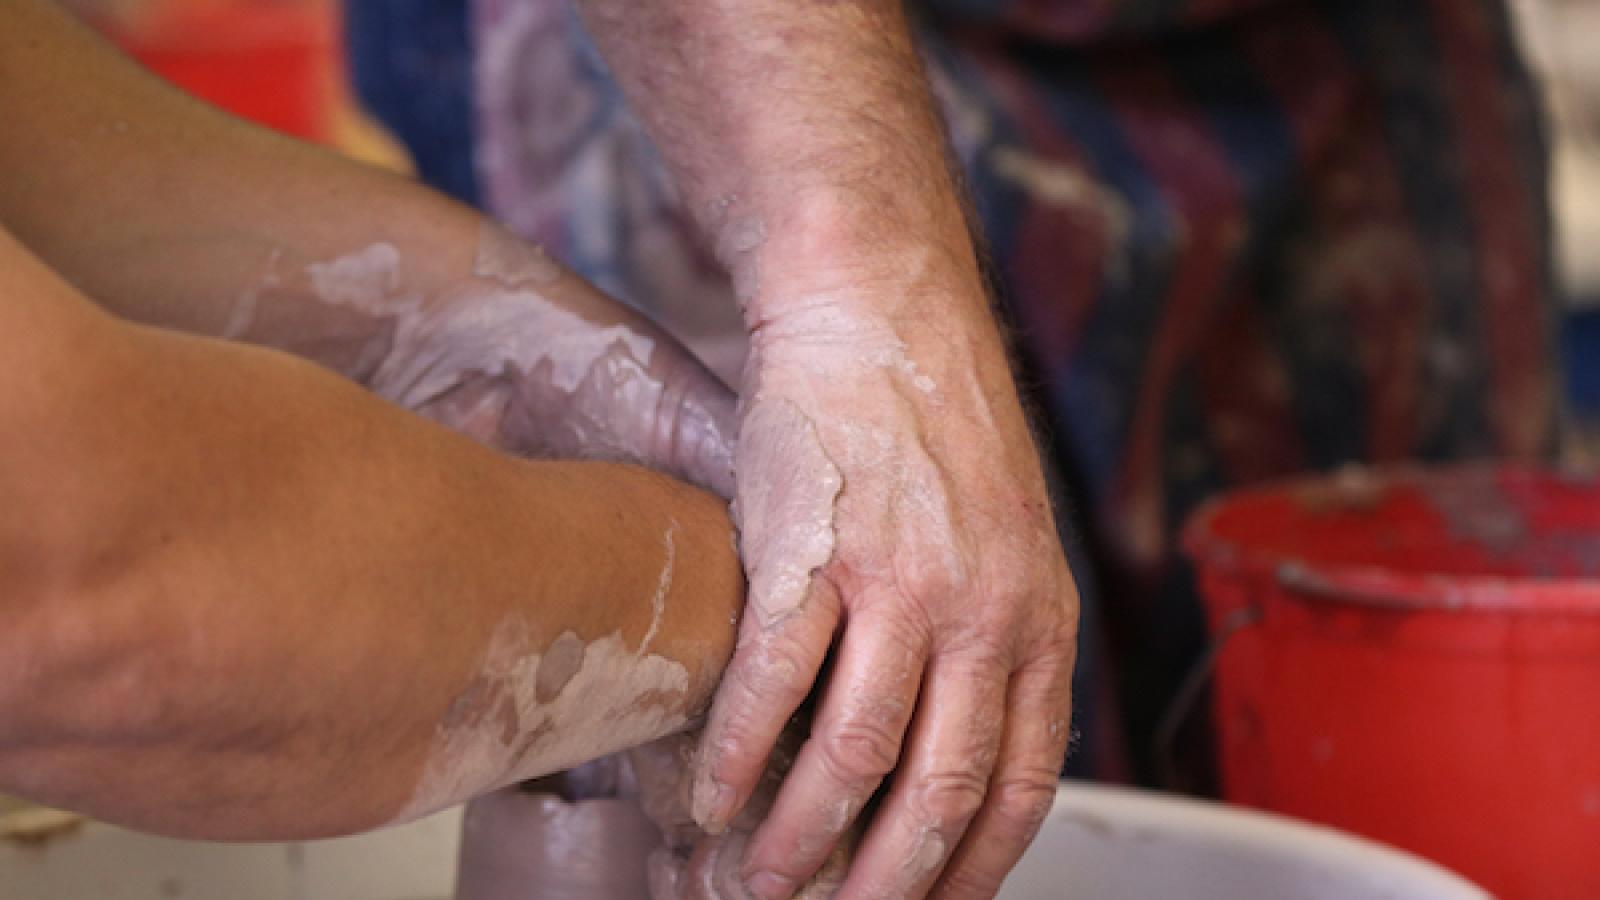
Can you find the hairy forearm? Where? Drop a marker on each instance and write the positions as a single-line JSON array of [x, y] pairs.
[[243, 598], [803, 137]]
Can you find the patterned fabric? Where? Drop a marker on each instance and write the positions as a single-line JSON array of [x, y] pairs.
[[1310, 234], [410, 64], [1236, 239]]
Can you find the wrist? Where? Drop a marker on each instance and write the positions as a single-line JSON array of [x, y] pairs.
[[910, 304], [870, 242]]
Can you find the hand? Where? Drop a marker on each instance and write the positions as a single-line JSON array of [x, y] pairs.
[[694, 865], [530, 358], [888, 496]]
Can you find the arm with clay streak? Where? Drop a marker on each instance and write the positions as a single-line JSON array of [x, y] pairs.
[[241, 598], [172, 214], [891, 506]]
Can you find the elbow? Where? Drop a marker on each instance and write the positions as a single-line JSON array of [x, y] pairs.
[[82, 683], [84, 652], [81, 667]]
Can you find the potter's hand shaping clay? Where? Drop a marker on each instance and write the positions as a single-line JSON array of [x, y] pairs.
[[693, 864], [892, 494], [891, 507]]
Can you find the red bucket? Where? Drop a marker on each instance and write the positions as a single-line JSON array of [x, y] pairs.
[[1414, 655], [271, 61]]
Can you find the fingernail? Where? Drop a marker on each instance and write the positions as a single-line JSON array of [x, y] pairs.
[[712, 804], [769, 886]]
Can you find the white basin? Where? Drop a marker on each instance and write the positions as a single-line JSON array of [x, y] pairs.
[[1104, 843], [1099, 844]]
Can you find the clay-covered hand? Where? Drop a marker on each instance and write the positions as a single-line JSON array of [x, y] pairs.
[[891, 508], [533, 359], [693, 864], [513, 350]]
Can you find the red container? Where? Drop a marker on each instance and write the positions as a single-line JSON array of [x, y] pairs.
[[1414, 655], [271, 61]]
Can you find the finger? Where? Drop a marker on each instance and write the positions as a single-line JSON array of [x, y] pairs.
[[942, 781], [825, 884], [855, 742], [703, 419], [1024, 784], [712, 871], [772, 671]]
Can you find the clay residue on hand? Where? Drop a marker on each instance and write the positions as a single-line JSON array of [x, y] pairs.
[[787, 488], [494, 324], [693, 863], [824, 336], [927, 855], [571, 702]]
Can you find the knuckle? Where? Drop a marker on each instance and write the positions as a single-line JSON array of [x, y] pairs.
[[1058, 643], [984, 652], [861, 750], [952, 798], [1068, 616], [724, 749], [1052, 640], [924, 583], [1012, 585], [1022, 803], [778, 666]]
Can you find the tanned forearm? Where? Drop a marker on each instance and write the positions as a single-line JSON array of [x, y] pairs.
[[241, 598], [170, 213]]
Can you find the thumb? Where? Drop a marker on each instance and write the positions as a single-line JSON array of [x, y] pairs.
[[701, 418]]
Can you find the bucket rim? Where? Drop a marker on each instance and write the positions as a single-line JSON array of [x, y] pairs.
[[1379, 587]]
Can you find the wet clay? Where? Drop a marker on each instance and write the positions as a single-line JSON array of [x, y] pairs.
[[694, 865], [505, 258], [559, 664], [786, 522], [517, 845], [532, 713], [658, 601]]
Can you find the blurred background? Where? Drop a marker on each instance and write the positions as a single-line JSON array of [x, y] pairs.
[[284, 63], [277, 62], [1560, 36]]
